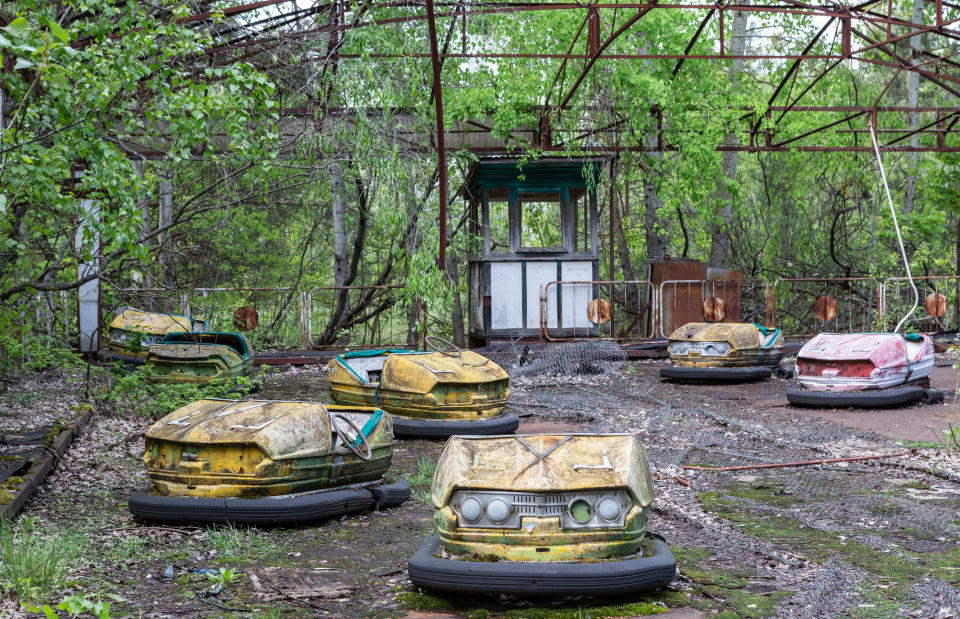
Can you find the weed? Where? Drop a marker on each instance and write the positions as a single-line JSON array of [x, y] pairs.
[[77, 605], [33, 565], [422, 479], [134, 393], [236, 544], [224, 577]]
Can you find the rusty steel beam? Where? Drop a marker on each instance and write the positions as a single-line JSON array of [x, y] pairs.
[[693, 40]]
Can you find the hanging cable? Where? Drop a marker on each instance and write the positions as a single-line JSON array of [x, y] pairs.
[[896, 226]]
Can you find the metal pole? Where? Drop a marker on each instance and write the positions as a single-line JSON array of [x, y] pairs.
[[441, 149]]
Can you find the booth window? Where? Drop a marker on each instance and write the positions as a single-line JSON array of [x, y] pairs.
[[580, 204], [540, 221], [498, 208]]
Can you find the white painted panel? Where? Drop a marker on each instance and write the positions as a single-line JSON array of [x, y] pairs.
[[576, 297], [506, 295], [539, 274]]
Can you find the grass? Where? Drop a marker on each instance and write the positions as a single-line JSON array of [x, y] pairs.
[[421, 480], [34, 566], [246, 544], [417, 600]]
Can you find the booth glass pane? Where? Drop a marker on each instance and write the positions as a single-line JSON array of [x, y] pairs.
[[499, 226], [581, 210], [540, 221]]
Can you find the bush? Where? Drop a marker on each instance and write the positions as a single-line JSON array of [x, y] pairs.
[[134, 393]]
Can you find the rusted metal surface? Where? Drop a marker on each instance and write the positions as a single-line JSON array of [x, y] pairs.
[[935, 305], [713, 309], [825, 307], [246, 318], [199, 358], [628, 302], [780, 465], [859, 361], [425, 385], [792, 305], [724, 345], [598, 311], [250, 448], [540, 479]]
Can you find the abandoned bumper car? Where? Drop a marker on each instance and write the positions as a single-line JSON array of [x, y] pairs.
[[865, 370], [723, 352], [543, 515], [199, 357], [132, 332], [267, 463], [431, 394]]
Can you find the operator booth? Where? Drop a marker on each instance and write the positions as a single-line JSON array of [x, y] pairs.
[[538, 224]]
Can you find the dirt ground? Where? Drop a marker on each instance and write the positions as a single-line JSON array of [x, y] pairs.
[[877, 538]]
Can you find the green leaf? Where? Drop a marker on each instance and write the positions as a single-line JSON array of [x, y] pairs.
[[22, 63], [58, 32], [57, 80], [18, 27]]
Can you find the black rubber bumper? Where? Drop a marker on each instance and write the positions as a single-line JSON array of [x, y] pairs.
[[409, 427], [543, 578], [269, 511], [715, 374], [877, 398]]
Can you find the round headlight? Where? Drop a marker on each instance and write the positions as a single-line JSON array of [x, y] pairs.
[[470, 509], [580, 511], [498, 511], [710, 349], [609, 509]]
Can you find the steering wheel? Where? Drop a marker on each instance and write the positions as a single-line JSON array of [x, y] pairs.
[[450, 350], [349, 442]]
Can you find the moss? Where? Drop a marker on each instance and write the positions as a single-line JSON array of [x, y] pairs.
[[895, 571], [633, 609], [5, 496], [765, 492], [417, 600], [83, 406]]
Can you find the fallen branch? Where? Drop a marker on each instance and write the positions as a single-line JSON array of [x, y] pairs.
[[777, 465], [683, 482]]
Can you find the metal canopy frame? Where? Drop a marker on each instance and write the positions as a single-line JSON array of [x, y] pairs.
[[866, 32]]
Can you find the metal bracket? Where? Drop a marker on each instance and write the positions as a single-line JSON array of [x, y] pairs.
[[606, 464]]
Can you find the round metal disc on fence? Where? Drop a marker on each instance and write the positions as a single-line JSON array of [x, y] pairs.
[[935, 304], [713, 309], [825, 307], [245, 318], [598, 311]]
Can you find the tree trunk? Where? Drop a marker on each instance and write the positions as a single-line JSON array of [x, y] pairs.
[[412, 245], [165, 218], [656, 238], [720, 228], [341, 258], [456, 313], [913, 98]]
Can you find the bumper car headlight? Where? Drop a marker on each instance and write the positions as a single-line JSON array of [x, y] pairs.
[[609, 509], [498, 511], [716, 349], [678, 348], [471, 509]]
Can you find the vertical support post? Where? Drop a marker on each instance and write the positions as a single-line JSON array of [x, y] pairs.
[[89, 309], [441, 148], [845, 45], [593, 30], [611, 214], [939, 4]]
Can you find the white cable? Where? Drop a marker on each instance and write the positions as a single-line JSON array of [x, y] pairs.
[[896, 226]]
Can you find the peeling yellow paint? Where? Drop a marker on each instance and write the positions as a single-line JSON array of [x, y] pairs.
[[543, 464], [428, 385], [131, 325], [748, 345], [228, 448]]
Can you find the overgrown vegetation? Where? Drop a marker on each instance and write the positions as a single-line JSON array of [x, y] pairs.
[[34, 563]]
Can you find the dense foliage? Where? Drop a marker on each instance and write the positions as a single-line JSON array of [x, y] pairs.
[[298, 153]]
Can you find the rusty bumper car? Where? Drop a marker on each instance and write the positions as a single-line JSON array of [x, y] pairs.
[[199, 357], [431, 394], [132, 332], [864, 370], [543, 515], [267, 463], [723, 352]]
